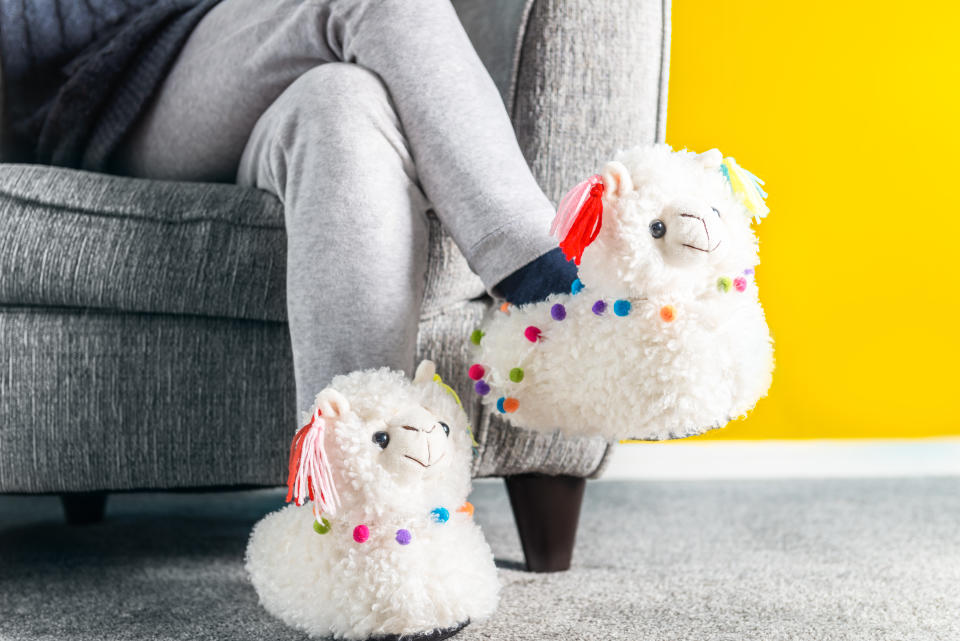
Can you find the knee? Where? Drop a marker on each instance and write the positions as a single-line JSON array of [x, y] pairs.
[[336, 122], [337, 97]]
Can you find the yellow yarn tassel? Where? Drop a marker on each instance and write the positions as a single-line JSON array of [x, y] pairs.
[[747, 186]]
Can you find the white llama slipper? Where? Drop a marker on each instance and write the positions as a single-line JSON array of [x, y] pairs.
[[663, 335], [389, 548]]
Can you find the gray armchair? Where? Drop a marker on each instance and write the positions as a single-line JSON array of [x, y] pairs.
[[143, 342]]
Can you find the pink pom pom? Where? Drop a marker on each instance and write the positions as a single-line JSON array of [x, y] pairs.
[[532, 333], [476, 371], [361, 533], [740, 283]]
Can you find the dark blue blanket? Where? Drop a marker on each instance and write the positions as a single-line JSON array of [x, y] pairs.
[[78, 73]]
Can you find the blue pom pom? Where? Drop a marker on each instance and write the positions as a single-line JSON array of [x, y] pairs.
[[500, 405], [576, 287], [440, 514], [621, 307]]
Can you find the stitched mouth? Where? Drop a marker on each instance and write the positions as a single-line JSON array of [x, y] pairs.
[[701, 249], [418, 461]]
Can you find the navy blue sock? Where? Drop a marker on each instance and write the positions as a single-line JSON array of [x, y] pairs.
[[552, 273]]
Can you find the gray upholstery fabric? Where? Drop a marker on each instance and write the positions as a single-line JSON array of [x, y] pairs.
[[141, 322], [101, 400], [78, 239], [591, 80]]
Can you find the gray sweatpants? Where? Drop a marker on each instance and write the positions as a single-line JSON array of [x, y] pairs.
[[360, 115]]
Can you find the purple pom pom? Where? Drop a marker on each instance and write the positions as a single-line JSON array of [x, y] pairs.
[[558, 312], [481, 388], [404, 537], [599, 308]]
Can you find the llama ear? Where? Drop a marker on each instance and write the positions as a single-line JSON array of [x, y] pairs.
[[711, 159], [425, 372], [331, 403], [616, 179]]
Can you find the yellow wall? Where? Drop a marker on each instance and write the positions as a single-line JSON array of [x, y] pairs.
[[850, 111]]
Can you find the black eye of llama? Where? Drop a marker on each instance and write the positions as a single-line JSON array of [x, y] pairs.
[[382, 439], [658, 229], [446, 428]]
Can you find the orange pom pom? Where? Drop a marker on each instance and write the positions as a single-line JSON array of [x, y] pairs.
[[466, 508], [505, 308], [668, 313], [510, 405]]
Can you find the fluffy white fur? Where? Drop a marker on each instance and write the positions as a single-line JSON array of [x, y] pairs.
[[331, 585], [638, 376]]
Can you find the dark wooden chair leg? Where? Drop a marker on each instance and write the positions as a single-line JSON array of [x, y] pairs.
[[547, 510], [84, 508]]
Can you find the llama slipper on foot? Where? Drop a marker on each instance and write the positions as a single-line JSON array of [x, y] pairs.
[[388, 548], [663, 335]]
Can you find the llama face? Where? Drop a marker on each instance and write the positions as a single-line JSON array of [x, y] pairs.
[[689, 233], [671, 226], [414, 444], [401, 443]]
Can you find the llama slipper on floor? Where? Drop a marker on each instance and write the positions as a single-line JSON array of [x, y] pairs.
[[388, 549], [663, 335]]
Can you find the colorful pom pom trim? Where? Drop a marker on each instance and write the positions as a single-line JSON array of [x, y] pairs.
[[403, 536], [322, 526], [507, 405], [361, 533], [622, 307]]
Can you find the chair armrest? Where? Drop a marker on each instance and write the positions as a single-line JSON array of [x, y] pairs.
[[591, 79]]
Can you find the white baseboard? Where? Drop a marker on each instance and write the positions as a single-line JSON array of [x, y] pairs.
[[840, 458]]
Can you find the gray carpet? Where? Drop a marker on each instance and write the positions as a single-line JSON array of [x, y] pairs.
[[697, 561]]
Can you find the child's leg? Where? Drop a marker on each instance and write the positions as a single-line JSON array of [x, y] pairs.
[[331, 148], [246, 52]]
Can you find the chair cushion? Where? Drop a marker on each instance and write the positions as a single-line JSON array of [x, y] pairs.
[[77, 239]]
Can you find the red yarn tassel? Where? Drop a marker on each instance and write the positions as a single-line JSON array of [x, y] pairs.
[[310, 476], [586, 227], [296, 453]]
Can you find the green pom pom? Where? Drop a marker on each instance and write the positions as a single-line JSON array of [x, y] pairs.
[[321, 528], [723, 284], [516, 375], [476, 336]]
